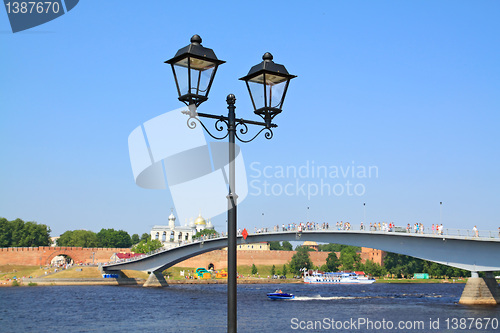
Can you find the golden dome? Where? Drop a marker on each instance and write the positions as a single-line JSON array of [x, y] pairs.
[[200, 220]]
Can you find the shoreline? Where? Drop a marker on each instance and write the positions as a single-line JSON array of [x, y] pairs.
[[139, 282]]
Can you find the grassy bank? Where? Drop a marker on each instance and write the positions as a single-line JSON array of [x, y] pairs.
[[9, 271], [173, 275], [263, 271]]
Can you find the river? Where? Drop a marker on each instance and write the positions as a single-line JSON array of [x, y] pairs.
[[202, 308]]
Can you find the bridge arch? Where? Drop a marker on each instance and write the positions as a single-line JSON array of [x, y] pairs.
[[76, 256], [473, 254]]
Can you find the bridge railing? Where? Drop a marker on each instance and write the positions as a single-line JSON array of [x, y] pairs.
[[421, 230]]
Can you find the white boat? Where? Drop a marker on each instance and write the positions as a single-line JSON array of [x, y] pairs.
[[315, 277]]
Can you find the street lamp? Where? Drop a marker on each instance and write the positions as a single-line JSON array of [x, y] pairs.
[[194, 68], [441, 212], [364, 213]]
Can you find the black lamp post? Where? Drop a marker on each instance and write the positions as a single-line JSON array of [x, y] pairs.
[[194, 68]]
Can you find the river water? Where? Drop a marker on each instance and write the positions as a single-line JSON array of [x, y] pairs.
[[202, 308]]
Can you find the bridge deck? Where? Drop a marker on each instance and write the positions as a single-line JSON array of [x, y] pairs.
[[458, 248]]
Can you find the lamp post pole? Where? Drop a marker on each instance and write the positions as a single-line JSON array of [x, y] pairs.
[[232, 223]]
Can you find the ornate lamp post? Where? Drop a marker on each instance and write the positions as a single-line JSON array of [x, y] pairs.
[[194, 68]]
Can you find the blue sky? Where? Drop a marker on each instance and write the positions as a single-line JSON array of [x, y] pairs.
[[410, 87]]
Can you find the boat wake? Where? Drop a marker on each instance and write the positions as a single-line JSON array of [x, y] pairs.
[[332, 298], [328, 298]]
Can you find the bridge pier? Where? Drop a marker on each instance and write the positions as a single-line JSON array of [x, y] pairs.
[[481, 291], [156, 280]]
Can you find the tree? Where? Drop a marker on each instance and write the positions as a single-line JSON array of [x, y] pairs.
[[287, 246], [331, 247], [204, 232], [145, 236], [5, 234], [300, 260], [332, 262], [78, 238], [373, 268], [18, 233], [146, 246], [135, 239], [254, 269], [275, 246], [285, 270], [111, 238], [403, 266], [305, 248], [349, 259], [273, 270]]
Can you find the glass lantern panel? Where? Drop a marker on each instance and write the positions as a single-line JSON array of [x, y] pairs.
[[200, 75], [274, 93], [274, 88], [257, 92], [181, 74], [200, 79]]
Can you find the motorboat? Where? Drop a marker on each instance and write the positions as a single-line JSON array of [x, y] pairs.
[[278, 294]]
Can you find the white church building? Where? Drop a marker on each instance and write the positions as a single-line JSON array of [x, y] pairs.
[[171, 235]]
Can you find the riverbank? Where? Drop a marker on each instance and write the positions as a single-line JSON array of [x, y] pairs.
[[88, 275]]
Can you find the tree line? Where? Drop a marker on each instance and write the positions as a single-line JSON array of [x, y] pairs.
[[277, 246], [107, 238], [18, 233], [396, 265]]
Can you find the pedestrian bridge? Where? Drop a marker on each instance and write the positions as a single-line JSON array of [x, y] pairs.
[[479, 252]]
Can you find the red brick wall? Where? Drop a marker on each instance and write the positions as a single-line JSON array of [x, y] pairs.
[[44, 254], [246, 258], [377, 256]]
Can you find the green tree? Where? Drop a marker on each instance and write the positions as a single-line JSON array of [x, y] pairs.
[[145, 236], [5, 233], [111, 238], [205, 232], [349, 259], [146, 246], [18, 233], [273, 270], [135, 238], [403, 266], [332, 262], [254, 269], [304, 248], [285, 270], [275, 246], [373, 268], [300, 260], [287, 246], [331, 247], [78, 238]]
